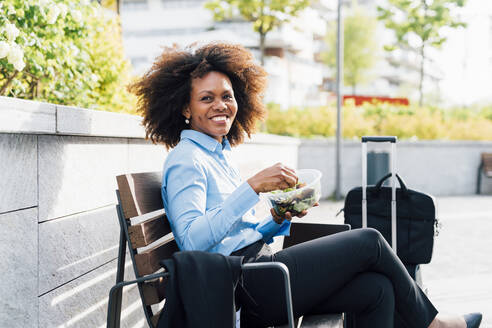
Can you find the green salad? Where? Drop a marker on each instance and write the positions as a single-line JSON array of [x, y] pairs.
[[297, 186], [296, 203]]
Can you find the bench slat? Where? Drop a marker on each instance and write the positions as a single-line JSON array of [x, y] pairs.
[[140, 193], [147, 232], [154, 291], [147, 262]]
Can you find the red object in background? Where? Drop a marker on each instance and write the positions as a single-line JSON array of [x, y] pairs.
[[359, 100]]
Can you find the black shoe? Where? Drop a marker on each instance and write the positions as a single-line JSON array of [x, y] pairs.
[[473, 320]]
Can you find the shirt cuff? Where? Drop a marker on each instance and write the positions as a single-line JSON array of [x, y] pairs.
[[241, 200], [269, 228]]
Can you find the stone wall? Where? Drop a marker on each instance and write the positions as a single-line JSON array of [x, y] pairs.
[[60, 230]]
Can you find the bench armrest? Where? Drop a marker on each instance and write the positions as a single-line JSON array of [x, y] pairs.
[[301, 232], [285, 273], [113, 320]]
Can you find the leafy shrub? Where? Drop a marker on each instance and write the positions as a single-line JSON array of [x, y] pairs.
[[486, 112], [63, 52], [406, 122]]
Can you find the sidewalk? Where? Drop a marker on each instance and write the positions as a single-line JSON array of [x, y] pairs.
[[459, 278]]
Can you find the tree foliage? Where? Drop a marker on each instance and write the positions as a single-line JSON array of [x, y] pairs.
[[359, 46], [264, 14], [63, 52], [420, 20]]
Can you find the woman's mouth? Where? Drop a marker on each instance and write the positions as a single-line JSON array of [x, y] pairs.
[[220, 119]]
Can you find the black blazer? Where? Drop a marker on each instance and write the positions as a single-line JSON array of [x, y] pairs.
[[200, 290]]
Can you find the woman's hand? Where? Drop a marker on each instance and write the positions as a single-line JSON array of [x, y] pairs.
[[274, 177], [288, 216]]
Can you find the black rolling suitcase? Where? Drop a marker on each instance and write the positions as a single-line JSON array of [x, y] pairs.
[[412, 235]]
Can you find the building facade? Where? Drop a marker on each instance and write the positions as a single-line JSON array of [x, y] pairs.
[[457, 74], [295, 78]]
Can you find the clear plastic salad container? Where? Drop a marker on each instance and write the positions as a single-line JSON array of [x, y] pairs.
[[297, 199]]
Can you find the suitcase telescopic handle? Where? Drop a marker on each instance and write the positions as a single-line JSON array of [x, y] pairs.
[[391, 139]]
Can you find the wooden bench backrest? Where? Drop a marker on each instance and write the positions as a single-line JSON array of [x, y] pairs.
[[487, 164], [140, 194]]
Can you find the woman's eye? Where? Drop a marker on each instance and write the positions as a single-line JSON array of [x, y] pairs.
[[227, 97], [206, 98]]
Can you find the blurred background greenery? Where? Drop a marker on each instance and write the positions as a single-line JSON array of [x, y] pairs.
[[406, 122]]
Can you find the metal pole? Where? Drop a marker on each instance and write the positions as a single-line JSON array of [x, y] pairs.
[[338, 155], [364, 184], [393, 196]]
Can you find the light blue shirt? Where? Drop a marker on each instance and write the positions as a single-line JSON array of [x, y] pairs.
[[208, 206]]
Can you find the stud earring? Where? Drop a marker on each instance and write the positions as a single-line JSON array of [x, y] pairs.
[[187, 121]]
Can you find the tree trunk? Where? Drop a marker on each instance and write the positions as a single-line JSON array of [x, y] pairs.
[[5, 86], [422, 61], [262, 35], [262, 48], [421, 81]]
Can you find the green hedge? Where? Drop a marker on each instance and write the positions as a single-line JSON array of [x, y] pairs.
[[406, 122]]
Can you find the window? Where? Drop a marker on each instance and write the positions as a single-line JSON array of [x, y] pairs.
[[134, 4], [182, 3]]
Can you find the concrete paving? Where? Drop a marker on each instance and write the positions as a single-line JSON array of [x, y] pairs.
[[459, 277]]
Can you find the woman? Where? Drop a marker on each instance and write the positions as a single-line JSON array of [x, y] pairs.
[[203, 101]]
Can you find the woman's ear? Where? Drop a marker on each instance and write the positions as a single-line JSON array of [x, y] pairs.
[[186, 112]]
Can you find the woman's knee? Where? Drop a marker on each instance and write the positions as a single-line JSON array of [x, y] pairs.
[[368, 244], [369, 236]]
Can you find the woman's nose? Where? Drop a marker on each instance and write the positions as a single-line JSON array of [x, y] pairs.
[[220, 106]]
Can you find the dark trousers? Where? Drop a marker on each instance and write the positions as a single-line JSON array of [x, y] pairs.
[[355, 272]]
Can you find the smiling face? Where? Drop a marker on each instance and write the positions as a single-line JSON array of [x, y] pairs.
[[212, 107]]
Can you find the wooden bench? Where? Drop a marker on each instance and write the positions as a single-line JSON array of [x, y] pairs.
[[486, 168], [147, 234]]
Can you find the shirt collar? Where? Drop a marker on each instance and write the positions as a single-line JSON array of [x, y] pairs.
[[206, 141]]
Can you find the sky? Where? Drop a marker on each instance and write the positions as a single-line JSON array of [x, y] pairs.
[[466, 58]]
